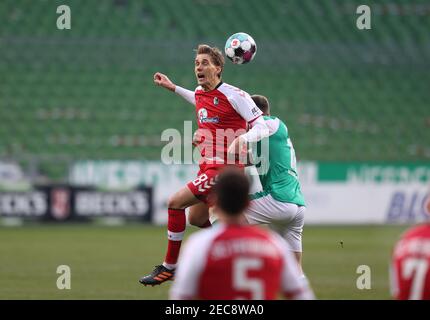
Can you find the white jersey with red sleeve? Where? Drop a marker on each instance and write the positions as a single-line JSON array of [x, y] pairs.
[[230, 262], [410, 265], [222, 114]]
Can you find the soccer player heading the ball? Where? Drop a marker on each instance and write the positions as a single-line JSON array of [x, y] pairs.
[[224, 113], [234, 260]]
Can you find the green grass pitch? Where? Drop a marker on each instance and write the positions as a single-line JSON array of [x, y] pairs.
[[106, 262]]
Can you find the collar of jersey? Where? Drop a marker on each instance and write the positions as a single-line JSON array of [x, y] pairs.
[[217, 86]]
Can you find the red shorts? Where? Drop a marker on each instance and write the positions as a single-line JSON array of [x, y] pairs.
[[202, 186], [206, 179]]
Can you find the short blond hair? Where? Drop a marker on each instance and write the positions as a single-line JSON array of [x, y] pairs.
[[215, 54]]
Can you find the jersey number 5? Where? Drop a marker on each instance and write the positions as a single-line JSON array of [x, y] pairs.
[[241, 281]]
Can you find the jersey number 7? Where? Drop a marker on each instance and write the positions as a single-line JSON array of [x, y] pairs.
[[416, 269]]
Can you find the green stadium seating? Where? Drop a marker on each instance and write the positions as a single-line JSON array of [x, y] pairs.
[[87, 93]]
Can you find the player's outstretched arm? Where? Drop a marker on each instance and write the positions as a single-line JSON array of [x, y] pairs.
[[163, 81]]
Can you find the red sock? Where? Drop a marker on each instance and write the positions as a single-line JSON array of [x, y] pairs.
[[207, 224], [175, 233]]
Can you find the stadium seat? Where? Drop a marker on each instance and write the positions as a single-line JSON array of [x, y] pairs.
[[88, 92]]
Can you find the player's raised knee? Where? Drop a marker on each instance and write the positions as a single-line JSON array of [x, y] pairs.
[[197, 221], [175, 202]]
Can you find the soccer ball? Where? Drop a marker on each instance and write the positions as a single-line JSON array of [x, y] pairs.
[[240, 48]]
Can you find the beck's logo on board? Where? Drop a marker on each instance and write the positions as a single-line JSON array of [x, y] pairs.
[[93, 203], [33, 203]]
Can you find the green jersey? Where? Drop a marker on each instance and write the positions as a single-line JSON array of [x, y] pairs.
[[277, 171]]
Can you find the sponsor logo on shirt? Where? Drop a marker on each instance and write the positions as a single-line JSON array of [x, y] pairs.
[[203, 117], [255, 111], [216, 101]]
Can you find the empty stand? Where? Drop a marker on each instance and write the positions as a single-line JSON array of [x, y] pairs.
[[87, 93]]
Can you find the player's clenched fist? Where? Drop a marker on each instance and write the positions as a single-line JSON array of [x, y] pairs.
[[163, 81]]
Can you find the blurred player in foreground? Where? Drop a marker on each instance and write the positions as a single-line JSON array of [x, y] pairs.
[[280, 204], [223, 114], [234, 260], [410, 265]]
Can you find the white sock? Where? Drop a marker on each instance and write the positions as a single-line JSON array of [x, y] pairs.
[[169, 266], [304, 279]]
